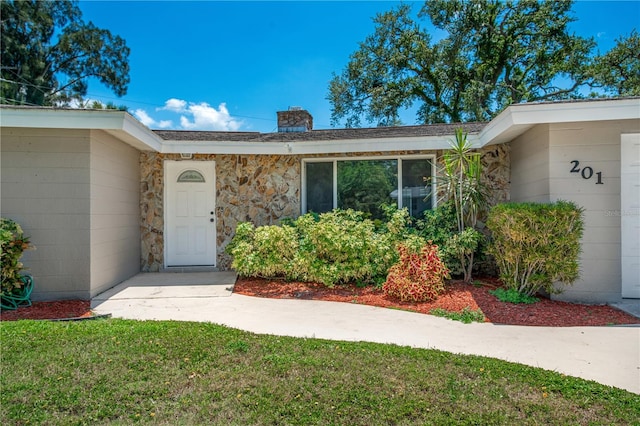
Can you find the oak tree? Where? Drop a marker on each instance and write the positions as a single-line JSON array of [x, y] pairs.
[[49, 54], [617, 72], [493, 53]]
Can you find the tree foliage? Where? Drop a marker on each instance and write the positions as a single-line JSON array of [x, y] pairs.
[[493, 53], [618, 71], [365, 185], [49, 53]]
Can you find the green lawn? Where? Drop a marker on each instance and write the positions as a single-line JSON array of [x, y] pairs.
[[177, 373]]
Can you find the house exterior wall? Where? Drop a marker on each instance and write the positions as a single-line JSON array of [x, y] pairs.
[[115, 207], [45, 188], [258, 188], [530, 166], [262, 189], [542, 160], [596, 147]]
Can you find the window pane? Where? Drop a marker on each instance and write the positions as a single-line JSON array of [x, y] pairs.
[[319, 187], [191, 176], [416, 196], [366, 184]]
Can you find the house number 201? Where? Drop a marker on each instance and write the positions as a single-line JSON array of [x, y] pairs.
[[586, 172]]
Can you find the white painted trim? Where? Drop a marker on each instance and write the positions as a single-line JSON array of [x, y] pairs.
[[335, 183], [517, 119], [509, 124], [340, 146], [120, 124], [142, 133], [630, 214]]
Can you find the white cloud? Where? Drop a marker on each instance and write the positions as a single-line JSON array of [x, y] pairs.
[[206, 117], [193, 116], [150, 122], [175, 105]]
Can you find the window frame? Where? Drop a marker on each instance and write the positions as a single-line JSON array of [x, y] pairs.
[[334, 160]]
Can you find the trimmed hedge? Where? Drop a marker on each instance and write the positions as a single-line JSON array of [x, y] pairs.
[[536, 245]]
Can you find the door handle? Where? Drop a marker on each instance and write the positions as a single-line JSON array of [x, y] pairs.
[[211, 220]]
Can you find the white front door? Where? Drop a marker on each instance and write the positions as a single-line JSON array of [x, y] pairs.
[[190, 227], [630, 214]]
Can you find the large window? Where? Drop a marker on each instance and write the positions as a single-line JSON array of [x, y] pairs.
[[366, 183]]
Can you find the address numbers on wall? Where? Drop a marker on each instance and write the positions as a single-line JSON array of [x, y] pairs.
[[586, 172]]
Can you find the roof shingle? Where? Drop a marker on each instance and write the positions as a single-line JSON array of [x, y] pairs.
[[321, 135]]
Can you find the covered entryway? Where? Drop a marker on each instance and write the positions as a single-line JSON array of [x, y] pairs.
[[190, 228], [630, 214]]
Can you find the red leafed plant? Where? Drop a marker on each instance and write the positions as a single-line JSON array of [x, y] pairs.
[[417, 277]]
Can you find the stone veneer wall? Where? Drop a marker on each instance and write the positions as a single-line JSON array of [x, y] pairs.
[[262, 189], [258, 188], [496, 169]]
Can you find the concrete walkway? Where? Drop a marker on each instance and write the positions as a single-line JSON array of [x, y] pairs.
[[609, 355]]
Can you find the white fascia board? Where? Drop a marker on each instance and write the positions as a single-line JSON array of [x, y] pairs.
[[596, 110], [144, 138], [429, 143], [61, 118], [517, 119], [118, 123], [222, 147]]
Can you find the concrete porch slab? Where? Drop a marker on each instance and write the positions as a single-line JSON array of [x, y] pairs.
[[171, 285], [630, 306]]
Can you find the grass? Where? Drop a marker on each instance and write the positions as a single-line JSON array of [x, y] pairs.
[[467, 315], [178, 373]]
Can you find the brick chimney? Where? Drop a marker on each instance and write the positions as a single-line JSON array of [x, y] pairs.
[[295, 119]]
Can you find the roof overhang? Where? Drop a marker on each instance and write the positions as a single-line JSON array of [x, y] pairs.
[[509, 124], [120, 124], [342, 146], [518, 118]]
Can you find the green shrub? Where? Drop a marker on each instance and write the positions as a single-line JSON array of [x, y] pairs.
[[331, 248], [417, 277], [460, 246], [512, 296], [266, 251], [12, 243], [536, 245], [440, 227]]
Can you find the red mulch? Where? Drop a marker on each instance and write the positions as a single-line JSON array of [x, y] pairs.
[[457, 296], [50, 310]]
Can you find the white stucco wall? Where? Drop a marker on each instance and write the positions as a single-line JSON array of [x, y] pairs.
[[115, 211], [45, 188]]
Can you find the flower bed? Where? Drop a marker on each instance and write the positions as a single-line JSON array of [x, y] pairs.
[[456, 297], [50, 310]]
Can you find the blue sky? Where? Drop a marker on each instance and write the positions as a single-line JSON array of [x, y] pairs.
[[230, 65]]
